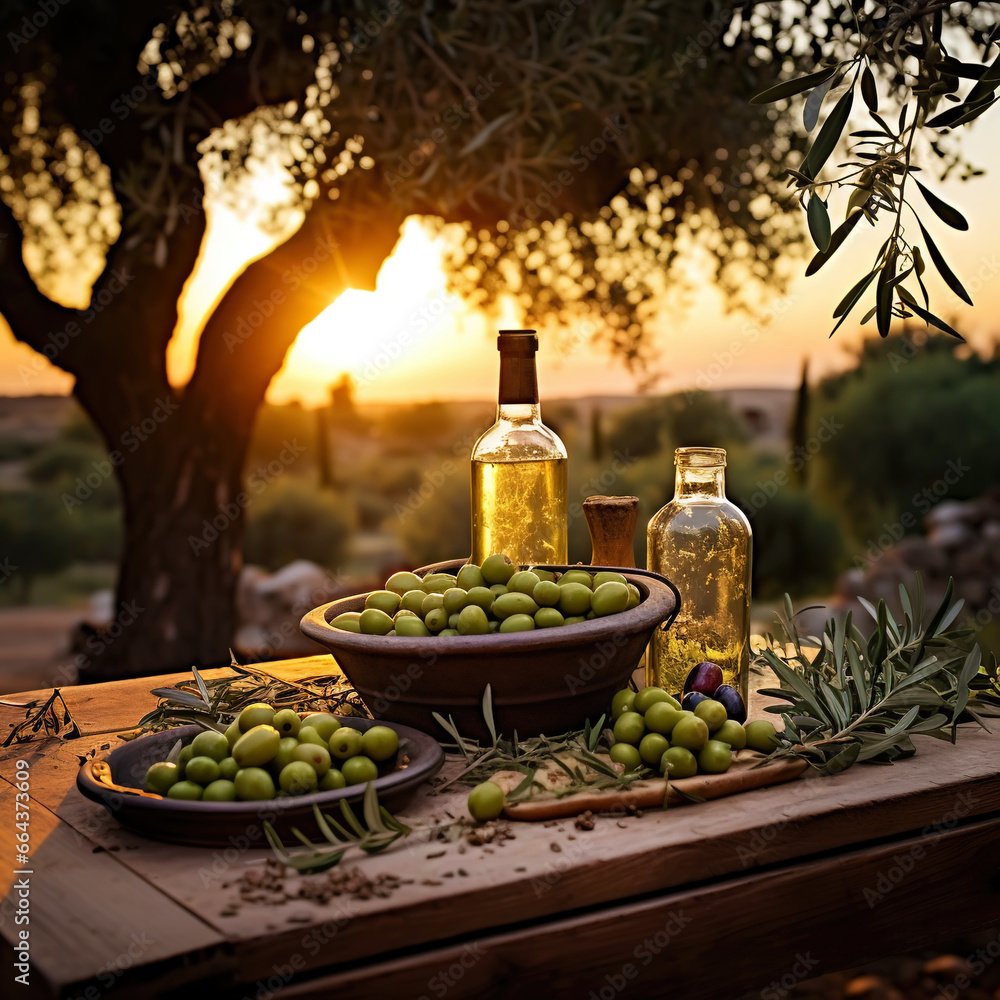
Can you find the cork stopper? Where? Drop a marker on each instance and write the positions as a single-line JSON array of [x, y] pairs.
[[611, 521], [518, 379]]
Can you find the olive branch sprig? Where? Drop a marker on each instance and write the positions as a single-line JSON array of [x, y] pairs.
[[908, 44], [856, 699]]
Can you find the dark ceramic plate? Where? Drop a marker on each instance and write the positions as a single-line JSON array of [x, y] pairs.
[[238, 824], [545, 681]]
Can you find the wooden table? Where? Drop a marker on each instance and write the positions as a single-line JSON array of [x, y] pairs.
[[756, 891]]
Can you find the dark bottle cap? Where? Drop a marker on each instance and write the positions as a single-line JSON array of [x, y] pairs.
[[518, 382]]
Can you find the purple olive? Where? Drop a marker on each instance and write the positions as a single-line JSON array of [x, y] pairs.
[[704, 677], [691, 699], [730, 697]]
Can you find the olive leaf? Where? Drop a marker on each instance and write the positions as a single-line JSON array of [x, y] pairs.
[[945, 212], [792, 87], [857, 699], [819, 223], [829, 136], [943, 269]]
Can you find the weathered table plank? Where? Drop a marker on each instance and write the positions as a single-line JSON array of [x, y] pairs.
[[626, 864]]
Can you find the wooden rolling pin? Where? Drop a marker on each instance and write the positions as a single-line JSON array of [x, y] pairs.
[[611, 521]]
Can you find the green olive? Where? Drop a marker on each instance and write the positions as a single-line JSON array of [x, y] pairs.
[[298, 778], [453, 619], [629, 728], [284, 754], [346, 742], [411, 627], [652, 747], [258, 714], [469, 576], [185, 790], [400, 583], [513, 603], [623, 702], [497, 569], [580, 576], [523, 582], [379, 742], [712, 712], [546, 593], [358, 770], [634, 597], [233, 733], [661, 717], [229, 767], [715, 757], [626, 755], [323, 722], [733, 733], [161, 777], [318, 758], [184, 756], [287, 722], [574, 619], [204, 770], [309, 735], [331, 781], [518, 623], [454, 599], [220, 790], [375, 622], [609, 598], [349, 621], [210, 744], [448, 632], [761, 736], [679, 762], [648, 696], [575, 599], [436, 619], [403, 613], [608, 576], [543, 574], [413, 601], [549, 618], [482, 596], [691, 733], [431, 602], [485, 801], [438, 583], [472, 621], [257, 746], [498, 590], [253, 784]]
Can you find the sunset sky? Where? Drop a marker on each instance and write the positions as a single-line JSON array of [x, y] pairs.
[[412, 340]]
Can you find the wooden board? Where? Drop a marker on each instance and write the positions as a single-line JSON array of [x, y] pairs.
[[745, 774]]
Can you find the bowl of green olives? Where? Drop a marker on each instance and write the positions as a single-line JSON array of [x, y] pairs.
[[133, 784], [553, 642]]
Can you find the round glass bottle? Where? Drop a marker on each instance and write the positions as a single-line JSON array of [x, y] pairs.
[[519, 468], [702, 542]]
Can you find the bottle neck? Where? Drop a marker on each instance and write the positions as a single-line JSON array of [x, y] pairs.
[[708, 482], [517, 399]]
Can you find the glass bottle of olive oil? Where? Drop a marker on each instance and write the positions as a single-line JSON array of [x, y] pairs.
[[702, 542], [519, 468]]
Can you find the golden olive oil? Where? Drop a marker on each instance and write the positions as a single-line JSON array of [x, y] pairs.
[[519, 508]]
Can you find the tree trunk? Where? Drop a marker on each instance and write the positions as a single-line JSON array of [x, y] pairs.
[[183, 491]]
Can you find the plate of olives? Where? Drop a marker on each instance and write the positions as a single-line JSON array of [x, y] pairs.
[[191, 785]]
